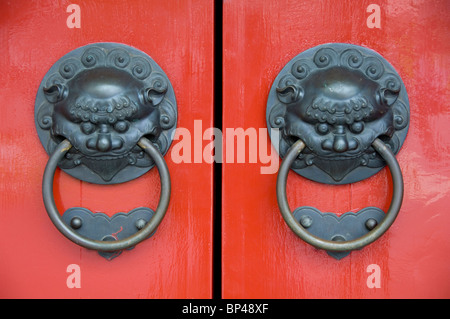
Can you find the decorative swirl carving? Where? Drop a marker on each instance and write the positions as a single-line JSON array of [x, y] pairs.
[[44, 117], [56, 92], [167, 118], [54, 78], [113, 110], [352, 58], [389, 90], [276, 116], [140, 68], [353, 110], [69, 68], [325, 57], [300, 69], [92, 57], [401, 115], [392, 83], [373, 68], [288, 91], [118, 57], [155, 93]]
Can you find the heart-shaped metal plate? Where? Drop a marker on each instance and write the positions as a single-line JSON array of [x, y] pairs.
[[347, 227], [99, 226]]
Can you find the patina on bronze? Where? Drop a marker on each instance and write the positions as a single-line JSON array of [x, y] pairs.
[[343, 114], [338, 243], [105, 245], [103, 98], [338, 98], [106, 114]]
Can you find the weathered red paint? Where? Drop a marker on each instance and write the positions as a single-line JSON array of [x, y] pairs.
[[262, 258], [177, 261]]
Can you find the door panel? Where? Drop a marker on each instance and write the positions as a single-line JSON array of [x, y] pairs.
[[261, 256], [176, 262]]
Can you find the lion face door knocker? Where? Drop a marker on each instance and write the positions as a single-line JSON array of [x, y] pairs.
[[343, 112], [106, 114]]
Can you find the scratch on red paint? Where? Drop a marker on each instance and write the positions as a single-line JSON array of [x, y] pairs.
[[115, 234]]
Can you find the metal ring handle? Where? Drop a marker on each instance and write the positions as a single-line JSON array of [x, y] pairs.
[[52, 211], [360, 242]]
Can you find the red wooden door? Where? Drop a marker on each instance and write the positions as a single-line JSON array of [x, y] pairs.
[[262, 258], [36, 260]]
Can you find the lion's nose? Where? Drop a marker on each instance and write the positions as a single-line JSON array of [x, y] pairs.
[[104, 141], [339, 142]]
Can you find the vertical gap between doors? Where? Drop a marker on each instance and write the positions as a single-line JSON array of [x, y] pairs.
[[217, 191]]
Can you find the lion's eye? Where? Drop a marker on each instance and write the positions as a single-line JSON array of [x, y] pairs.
[[87, 128], [322, 128], [121, 126], [357, 127]]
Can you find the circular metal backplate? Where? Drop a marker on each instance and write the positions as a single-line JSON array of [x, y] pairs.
[[103, 98], [338, 98]]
